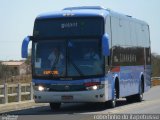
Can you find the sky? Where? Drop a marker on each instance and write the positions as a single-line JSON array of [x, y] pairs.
[[17, 19]]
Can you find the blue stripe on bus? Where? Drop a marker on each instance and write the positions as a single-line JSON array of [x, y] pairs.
[[40, 81]]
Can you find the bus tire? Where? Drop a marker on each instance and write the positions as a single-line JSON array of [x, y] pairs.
[[130, 99], [139, 97], [112, 103], [55, 106]]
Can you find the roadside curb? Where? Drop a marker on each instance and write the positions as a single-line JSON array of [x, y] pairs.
[[19, 105]]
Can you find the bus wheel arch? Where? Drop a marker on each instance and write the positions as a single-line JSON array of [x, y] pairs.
[[117, 87], [112, 103], [139, 96], [142, 83]]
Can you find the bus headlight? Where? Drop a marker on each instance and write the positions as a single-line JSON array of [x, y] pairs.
[[95, 87], [40, 88]]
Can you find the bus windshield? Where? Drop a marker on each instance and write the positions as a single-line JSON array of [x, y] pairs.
[[67, 58]]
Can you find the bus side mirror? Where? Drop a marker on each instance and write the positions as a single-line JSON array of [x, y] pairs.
[[24, 49], [105, 45]]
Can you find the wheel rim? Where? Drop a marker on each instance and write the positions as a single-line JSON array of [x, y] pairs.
[[113, 103], [141, 96], [141, 93], [114, 99]]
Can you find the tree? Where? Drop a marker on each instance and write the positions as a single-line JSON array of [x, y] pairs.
[[28, 60], [5, 72], [155, 65]]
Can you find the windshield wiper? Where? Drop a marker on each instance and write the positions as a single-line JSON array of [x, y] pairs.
[[76, 67]]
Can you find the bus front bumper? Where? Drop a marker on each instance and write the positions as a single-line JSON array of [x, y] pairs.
[[70, 97]]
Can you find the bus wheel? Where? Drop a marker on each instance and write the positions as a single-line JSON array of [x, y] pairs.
[[130, 99], [112, 103], [139, 97], [55, 106]]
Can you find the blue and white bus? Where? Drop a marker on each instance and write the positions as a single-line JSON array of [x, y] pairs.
[[63, 69]]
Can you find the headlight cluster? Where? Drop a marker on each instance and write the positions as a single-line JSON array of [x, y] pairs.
[[94, 86], [40, 88]]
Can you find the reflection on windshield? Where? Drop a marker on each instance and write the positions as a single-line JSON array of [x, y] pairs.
[[77, 57], [86, 56], [50, 58]]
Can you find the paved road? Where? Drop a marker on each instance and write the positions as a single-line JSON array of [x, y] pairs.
[[150, 104]]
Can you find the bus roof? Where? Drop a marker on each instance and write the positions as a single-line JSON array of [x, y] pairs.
[[76, 12], [85, 11]]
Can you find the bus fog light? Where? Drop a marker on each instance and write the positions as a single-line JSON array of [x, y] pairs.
[[35, 97], [101, 95], [39, 97]]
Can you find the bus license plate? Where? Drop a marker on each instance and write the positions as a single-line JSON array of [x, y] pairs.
[[67, 97]]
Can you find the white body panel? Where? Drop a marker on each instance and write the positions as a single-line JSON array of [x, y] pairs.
[[79, 96]]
